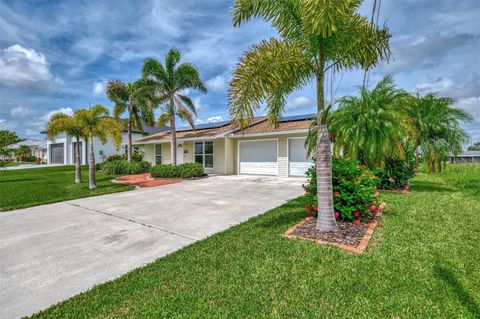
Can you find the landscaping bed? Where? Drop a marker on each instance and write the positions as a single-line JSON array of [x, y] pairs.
[[145, 180], [351, 237]]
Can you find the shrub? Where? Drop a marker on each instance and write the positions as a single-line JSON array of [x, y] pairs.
[[31, 159], [187, 170], [136, 157], [397, 172], [124, 167], [354, 190]]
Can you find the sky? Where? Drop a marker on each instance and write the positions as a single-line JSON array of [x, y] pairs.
[[56, 56]]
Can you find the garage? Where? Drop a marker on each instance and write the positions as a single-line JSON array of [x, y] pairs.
[[298, 161], [56, 153], [258, 157]]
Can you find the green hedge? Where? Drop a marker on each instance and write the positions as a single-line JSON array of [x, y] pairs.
[[186, 170], [124, 167]]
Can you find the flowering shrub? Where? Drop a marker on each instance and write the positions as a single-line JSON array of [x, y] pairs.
[[355, 196]]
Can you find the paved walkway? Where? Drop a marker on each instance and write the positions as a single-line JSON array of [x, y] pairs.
[[49, 253]]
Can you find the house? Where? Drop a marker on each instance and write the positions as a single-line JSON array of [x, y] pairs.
[[224, 148], [63, 149], [465, 157], [38, 148]]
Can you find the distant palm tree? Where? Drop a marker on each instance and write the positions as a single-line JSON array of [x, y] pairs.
[[438, 130], [97, 123], [71, 125], [169, 83], [314, 37], [373, 126], [23, 151], [134, 99]]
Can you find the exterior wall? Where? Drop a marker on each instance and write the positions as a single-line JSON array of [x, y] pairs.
[[230, 156], [282, 158], [101, 151]]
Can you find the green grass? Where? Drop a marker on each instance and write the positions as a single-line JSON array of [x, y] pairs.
[[422, 262], [36, 186]]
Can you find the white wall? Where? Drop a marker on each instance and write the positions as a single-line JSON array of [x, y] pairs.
[[101, 151]]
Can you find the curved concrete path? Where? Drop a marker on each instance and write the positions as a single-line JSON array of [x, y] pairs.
[[52, 252]]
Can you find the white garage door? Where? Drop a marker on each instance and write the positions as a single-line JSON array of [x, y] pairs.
[[298, 162], [258, 157]]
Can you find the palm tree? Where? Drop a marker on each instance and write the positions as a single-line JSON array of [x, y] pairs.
[[169, 84], [71, 125], [23, 151], [97, 123], [438, 130], [373, 126], [314, 36], [131, 98]]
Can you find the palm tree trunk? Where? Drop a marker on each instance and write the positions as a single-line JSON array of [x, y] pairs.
[[326, 215], [92, 183], [174, 139], [129, 146], [78, 173]]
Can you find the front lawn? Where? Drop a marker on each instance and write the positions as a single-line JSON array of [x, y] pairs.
[[36, 186], [422, 262]]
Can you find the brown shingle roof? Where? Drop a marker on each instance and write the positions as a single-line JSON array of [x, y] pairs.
[[194, 133], [259, 125], [266, 127]]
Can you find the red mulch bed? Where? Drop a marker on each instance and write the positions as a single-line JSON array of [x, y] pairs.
[[145, 180], [349, 237]]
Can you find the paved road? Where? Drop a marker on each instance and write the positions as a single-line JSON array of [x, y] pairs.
[[51, 252]]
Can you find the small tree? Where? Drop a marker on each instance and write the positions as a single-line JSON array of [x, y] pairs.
[[169, 84], [72, 126], [474, 147], [7, 138], [97, 123], [23, 151], [135, 99]]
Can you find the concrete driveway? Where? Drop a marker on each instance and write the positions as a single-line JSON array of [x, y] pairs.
[[51, 252]]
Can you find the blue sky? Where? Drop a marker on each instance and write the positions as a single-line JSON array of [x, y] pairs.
[[57, 55]]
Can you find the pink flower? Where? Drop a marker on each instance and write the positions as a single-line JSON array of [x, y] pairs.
[[377, 193], [356, 222], [307, 209], [356, 214]]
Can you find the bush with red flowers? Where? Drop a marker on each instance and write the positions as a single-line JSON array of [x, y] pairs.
[[355, 196]]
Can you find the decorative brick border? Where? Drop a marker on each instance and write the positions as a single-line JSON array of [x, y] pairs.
[[351, 249]]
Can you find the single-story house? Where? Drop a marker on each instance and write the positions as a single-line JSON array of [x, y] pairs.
[[63, 149], [37, 147], [224, 148], [465, 157]]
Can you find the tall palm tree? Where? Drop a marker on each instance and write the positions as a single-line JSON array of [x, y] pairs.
[[438, 129], [132, 98], [314, 37], [373, 126], [71, 125], [169, 82], [97, 123]]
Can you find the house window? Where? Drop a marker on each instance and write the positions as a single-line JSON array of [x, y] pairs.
[[158, 154], [204, 153]]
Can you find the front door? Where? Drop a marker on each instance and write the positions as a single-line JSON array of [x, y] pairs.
[[180, 154]]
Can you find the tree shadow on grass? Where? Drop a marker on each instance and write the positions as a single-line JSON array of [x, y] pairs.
[[431, 187], [449, 277], [18, 180]]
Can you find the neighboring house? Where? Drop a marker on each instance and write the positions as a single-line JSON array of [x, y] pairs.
[[465, 157], [223, 148], [38, 148], [63, 149]]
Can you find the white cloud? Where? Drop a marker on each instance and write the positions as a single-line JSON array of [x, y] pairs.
[[99, 87], [211, 119], [65, 110], [298, 102], [218, 83], [20, 111], [199, 105], [23, 66]]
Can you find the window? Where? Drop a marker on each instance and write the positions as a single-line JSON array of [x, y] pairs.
[[158, 154], [204, 153]]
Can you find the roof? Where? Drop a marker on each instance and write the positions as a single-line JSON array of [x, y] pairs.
[[468, 154], [217, 129], [29, 143]]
